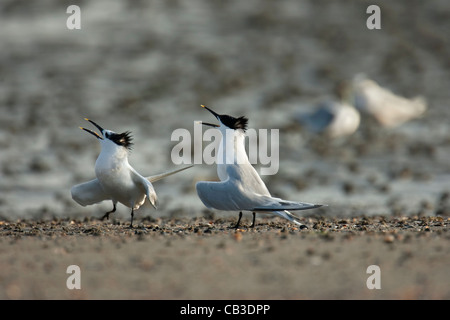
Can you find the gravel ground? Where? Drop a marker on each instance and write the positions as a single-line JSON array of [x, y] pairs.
[[207, 259]]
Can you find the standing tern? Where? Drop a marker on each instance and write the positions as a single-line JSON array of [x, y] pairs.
[[116, 179], [240, 187]]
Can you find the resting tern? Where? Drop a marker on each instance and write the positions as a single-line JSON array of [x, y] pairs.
[[240, 187], [334, 118], [116, 179], [390, 110]]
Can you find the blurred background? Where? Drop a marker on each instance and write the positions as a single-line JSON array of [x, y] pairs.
[[147, 66]]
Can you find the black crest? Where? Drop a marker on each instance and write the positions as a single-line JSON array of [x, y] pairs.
[[234, 123], [123, 139]]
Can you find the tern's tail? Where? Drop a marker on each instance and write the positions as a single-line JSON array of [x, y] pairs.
[[160, 176], [289, 216]]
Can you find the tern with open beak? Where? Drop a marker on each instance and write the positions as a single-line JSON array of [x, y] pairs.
[[240, 187], [116, 179]]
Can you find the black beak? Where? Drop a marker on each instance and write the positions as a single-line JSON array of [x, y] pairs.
[[215, 115], [210, 124], [93, 132], [98, 127]]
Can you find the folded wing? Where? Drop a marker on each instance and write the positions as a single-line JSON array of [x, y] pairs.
[[220, 195], [146, 186], [276, 204], [242, 191]]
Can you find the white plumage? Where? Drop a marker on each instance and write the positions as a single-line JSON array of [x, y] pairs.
[[241, 188], [389, 109], [334, 118], [116, 179]]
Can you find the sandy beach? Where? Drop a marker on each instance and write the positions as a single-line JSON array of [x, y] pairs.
[[146, 67], [203, 259]]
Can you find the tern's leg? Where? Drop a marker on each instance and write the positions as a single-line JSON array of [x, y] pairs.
[[253, 224], [132, 215], [106, 215], [239, 220]]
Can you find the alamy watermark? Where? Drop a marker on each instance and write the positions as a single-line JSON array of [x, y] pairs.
[[189, 149], [374, 20], [258, 153], [74, 280], [374, 280], [74, 20]]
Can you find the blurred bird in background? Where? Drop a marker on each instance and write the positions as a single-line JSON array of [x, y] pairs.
[[333, 118], [388, 109]]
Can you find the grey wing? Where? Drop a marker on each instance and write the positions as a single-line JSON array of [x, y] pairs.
[[146, 186], [277, 204], [88, 193], [240, 191], [320, 119], [257, 197], [245, 176], [225, 195]]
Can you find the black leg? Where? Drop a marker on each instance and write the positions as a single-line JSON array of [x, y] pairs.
[[239, 220], [253, 224], [106, 215], [132, 216]]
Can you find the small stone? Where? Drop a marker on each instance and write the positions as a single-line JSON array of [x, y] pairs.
[[389, 238]]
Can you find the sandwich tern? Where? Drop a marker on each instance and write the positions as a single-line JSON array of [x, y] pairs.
[[116, 179], [388, 109], [240, 187], [333, 118]]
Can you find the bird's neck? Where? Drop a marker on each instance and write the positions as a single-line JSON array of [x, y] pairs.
[[112, 157], [232, 148]]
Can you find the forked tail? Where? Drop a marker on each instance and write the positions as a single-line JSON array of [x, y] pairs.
[[289, 216]]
